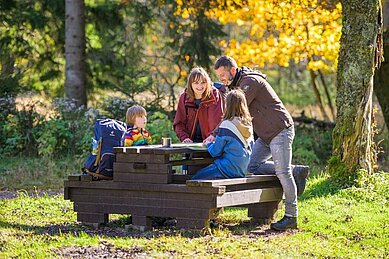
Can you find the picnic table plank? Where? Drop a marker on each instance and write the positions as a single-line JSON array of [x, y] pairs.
[[249, 196], [134, 194], [112, 185], [175, 201], [233, 181]]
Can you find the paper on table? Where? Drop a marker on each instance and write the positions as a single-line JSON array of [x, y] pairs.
[[190, 145]]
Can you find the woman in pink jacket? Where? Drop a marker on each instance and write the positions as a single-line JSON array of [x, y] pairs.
[[199, 109]]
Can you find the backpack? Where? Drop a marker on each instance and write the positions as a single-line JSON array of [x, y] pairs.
[[108, 134]]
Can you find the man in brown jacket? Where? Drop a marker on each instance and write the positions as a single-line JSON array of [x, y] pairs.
[[274, 127]]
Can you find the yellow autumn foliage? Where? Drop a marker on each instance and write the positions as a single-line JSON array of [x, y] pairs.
[[270, 32]]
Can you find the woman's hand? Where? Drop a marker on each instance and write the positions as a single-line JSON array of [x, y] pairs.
[[187, 140]]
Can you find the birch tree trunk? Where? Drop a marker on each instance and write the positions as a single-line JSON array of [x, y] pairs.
[[75, 78], [360, 53]]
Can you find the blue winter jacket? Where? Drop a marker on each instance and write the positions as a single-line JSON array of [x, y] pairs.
[[231, 150]]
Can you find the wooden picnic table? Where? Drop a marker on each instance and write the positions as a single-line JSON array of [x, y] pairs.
[[148, 181]]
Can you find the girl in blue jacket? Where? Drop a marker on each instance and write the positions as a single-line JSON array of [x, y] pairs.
[[233, 144]]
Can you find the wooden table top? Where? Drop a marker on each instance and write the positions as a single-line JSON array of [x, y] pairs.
[[159, 149]]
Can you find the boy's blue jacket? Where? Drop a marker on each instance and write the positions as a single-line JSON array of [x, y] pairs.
[[232, 148]]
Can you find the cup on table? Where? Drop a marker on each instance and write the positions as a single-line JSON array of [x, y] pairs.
[[166, 142]]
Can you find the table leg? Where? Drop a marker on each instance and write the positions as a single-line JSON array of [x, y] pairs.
[[264, 212], [142, 222]]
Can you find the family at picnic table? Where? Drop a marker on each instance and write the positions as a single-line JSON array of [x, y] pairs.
[[243, 124]]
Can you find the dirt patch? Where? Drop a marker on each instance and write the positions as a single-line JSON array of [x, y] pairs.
[[103, 250]]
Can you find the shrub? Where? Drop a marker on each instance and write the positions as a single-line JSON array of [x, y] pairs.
[[67, 132], [116, 108], [18, 127], [160, 126], [312, 145]]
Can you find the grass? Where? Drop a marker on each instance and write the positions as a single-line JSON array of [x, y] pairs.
[[333, 223], [46, 173]]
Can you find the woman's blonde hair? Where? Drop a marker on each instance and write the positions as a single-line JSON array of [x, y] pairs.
[[133, 112], [198, 74], [237, 107]]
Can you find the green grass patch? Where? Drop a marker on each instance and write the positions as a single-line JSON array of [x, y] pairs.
[[30, 173], [333, 223]]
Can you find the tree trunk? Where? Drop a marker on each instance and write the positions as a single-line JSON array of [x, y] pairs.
[[75, 78], [381, 79], [327, 92], [359, 54], [381, 82], [318, 97]]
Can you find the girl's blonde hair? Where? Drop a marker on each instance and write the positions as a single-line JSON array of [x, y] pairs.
[[133, 112], [198, 74], [237, 107]]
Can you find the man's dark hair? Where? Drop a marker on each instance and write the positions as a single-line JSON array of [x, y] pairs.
[[225, 61]]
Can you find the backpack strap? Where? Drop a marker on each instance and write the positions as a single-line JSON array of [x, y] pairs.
[[98, 155]]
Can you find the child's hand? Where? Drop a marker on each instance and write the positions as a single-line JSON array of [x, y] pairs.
[[187, 140], [210, 139], [206, 142]]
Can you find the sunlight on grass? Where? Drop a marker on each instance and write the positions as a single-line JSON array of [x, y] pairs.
[[350, 223]]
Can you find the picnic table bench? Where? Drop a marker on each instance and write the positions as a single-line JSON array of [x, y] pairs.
[[148, 182]]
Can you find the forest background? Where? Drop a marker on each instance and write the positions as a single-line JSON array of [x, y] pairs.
[[140, 52], [65, 63]]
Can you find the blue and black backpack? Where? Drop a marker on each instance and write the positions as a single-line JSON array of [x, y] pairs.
[[108, 134]]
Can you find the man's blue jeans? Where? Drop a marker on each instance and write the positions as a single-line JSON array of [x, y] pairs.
[[280, 149]]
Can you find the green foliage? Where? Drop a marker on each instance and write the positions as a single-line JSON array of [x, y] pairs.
[[115, 53], [311, 145], [194, 37], [54, 137], [31, 45], [160, 126], [116, 108], [68, 132], [19, 127]]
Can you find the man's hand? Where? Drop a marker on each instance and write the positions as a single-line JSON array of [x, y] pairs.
[[187, 140]]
